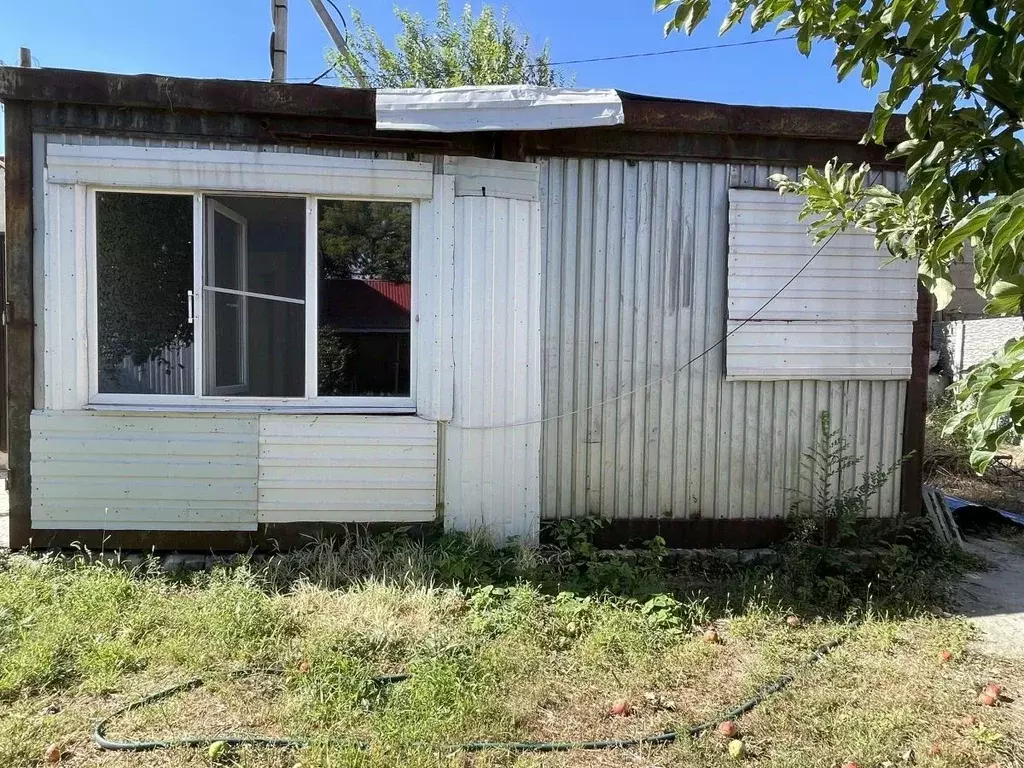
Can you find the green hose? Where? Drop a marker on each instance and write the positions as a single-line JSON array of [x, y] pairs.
[[101, 741]]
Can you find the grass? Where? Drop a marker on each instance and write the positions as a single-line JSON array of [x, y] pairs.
[[502, 644]]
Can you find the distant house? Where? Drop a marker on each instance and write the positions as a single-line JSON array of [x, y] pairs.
[[242, 313], [963, 335]]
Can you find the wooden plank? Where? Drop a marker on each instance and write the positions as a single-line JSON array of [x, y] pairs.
[[19, 328]]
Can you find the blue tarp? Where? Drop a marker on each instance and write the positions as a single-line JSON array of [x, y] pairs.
[[954, 503]]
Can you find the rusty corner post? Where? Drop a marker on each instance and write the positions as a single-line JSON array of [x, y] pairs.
[[19, 326], [911, 474]]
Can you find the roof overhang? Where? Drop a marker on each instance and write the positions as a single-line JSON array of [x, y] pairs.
[[357, 105]]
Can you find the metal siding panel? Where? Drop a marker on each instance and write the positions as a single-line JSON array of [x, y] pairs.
[[695, 445], [346, 468], [492, 470], [112, 471]]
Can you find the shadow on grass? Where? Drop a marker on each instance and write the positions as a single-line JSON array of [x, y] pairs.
[[900, 570]]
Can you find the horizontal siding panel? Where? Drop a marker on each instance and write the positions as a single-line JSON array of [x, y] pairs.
[[347, 468], [846, 312], [642, 422], [109, 471]]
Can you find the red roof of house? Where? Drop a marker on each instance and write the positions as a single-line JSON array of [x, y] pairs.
[[365, 305]]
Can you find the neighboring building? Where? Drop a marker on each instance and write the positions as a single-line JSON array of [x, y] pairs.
[[245, 312], [962, 333]]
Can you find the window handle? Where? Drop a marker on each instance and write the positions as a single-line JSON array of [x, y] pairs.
[[191, 307]]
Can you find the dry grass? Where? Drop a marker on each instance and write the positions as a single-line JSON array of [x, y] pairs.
[[496, 664]]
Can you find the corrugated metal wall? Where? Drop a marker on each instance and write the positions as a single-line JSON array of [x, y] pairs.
[[492, 475], [635, 265]]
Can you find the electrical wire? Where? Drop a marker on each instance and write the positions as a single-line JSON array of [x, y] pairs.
[[667, 376], [651, 54], [99, 729], [644, 55]]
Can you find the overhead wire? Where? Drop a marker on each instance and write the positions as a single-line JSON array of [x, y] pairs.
[[651, 54], [641, 55]]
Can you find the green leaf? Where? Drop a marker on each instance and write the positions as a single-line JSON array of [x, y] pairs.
[[970, 224]]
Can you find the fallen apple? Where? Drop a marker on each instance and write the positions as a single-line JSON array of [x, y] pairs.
[[946, 656], [993, 690], [52, 754], [850, 764], [737, 749], [969, 721], [621, 708], [217, 750], [711, 637], [729, 729], [934, 749], [793, 620], [303, 666], [987, 700]]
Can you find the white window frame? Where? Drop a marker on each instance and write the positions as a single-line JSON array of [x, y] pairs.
[[213, 209], [321, 178]]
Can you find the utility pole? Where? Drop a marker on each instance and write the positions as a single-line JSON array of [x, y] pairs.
[[279, 41], [26, 57], [336, 36]]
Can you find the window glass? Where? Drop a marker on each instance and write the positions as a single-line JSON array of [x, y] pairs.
[[254, 296], [365, 298], [144, 272]]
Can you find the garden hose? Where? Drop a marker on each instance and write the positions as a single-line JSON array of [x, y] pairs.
[[101, 741]]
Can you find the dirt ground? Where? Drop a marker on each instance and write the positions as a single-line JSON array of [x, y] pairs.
[[994, 599]]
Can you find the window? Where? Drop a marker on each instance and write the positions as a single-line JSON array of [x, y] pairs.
[[252, 299], [365, 297], [144, 257]]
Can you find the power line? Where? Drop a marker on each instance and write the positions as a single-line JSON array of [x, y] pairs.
[[649, 54], [668, 375]]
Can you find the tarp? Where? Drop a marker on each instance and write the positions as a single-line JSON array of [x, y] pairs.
[[954, 503], [496, 108]]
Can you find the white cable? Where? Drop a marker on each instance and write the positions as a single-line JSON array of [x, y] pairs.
[[669, 375]]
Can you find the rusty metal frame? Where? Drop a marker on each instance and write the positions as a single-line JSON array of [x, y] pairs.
[[19, 327]]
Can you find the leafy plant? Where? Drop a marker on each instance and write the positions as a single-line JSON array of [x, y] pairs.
[[958, 68], [829, 515], [443, 53], [990, 404]]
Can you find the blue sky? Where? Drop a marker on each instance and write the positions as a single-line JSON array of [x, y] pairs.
[[229, 39]]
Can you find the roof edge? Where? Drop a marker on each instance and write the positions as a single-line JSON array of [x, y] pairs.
[[642, 113]]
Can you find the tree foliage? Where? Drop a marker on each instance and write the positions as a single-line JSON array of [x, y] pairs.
[[444, 53], [957, 67], [143, 275], [366, 240]]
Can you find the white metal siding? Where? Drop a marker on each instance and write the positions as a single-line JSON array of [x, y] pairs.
[[635, 264], [347, 468], [848, 280], [849, 312], [112, 470], [492, 476], [433, 283], [161, 472]]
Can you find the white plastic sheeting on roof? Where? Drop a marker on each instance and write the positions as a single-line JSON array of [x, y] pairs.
[[495, 108]]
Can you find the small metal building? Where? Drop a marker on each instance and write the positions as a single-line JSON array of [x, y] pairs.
[[613, 319]]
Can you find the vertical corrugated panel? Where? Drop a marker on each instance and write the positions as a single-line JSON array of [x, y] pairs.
[[492, 475], [433, 282], [170, 373], [102, 471], [348, 469], [635, 266]]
